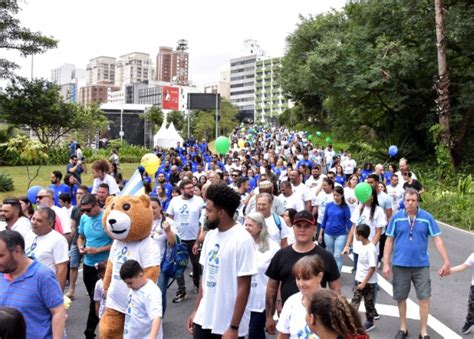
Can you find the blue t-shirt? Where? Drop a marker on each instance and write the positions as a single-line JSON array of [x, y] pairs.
[[336, 220], [91, 228], [33, 294], [412, 251], [58, 189]]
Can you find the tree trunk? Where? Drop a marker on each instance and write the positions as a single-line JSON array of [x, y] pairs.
[[443, 106]]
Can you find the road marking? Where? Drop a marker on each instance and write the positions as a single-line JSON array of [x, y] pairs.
[[454, 228], [413, 310]]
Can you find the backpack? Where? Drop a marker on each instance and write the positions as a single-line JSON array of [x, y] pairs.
[[175, 259]]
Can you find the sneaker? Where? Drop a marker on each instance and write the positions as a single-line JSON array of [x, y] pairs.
[[190, 274], [376, 316], [196, 290], [369, 326], [180, 296], [467, 327]]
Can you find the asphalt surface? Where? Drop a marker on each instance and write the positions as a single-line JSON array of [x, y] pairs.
[[447, 313]]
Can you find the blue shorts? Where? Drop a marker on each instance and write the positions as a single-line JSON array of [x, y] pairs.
[[74, 257]]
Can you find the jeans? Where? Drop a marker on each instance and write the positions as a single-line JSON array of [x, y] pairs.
[[196, 267], [163, 280], [90, 276], [257, 325], [335, 245]]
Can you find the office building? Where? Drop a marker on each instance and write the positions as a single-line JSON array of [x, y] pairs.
[[133, 68], [95, 93], [101, 70], [221, 87], [69, 79], [172, 65]]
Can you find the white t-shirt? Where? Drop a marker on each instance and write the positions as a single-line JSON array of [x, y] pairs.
[[159, 236], [109, 180], [186, 213], [144, 251], [367, 259], [396, 195], [99, 296], [256, 302], [379, 221], [301, 192], [293, 201], [293, 318], [470, 262], [65, 218], [224, 257], [143, 305], [321, 201], [275, 233], [311, 182], [349, 194], [22, 226], [348, 165], [50, 249]]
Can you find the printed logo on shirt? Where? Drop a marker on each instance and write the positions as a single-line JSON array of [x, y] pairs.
[[184, 209], [128, 312], [306, 333], [121, 258], [97, 225], [361, 220], [213, 266]]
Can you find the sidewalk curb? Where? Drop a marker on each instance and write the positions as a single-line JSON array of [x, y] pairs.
[[456, 228]]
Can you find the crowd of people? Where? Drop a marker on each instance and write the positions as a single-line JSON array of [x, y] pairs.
[[267, 227]]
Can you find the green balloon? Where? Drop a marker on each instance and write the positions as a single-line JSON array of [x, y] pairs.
[[222, 145], [318, 133], [310, 137], [363, 192], [328, 140]]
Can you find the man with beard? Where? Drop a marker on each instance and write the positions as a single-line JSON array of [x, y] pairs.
[[16, 221], [174, 176], [186, 209], [57, 187], [167, 187], [228, 260], [31, 288]]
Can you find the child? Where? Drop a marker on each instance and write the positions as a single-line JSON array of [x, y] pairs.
[[469, 263], [144, 309], [366, 278], [99, 295]]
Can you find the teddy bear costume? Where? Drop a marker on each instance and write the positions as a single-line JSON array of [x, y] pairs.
[[128, 220]]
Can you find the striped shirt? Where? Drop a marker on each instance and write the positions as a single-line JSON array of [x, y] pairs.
[[33, 294]]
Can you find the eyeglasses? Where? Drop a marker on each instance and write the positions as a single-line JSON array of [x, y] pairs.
[[39, 197], [405, 174], [87, 210]]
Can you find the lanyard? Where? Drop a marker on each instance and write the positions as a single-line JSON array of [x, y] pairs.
[[411, 223]]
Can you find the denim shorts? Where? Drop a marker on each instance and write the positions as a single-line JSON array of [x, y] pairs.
[[74, 257], [402, 278]]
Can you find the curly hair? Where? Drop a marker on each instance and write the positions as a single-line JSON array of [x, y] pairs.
[[223, 197], [335, 313]]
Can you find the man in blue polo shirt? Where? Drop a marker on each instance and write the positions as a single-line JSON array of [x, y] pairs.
[[407, 235], [31, 288]]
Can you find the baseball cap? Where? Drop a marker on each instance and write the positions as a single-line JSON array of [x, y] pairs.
[[304, 216]]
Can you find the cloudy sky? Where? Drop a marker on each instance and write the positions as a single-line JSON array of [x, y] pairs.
[[215, 29]]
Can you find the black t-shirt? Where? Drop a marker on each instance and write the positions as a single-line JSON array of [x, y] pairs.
[[76, 216], [282, 263], [414, 184]]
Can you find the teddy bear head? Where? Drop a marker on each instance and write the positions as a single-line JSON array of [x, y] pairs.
[[128, 218]]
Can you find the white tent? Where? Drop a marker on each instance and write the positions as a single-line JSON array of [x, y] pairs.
[[169, 138], [160, 135]]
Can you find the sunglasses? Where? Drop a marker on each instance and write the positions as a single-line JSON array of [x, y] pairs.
[[87, 210], [39, 197]]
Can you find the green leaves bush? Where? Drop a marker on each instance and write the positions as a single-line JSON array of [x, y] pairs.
[[6, 183]]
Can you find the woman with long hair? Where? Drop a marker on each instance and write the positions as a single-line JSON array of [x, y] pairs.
[[323, 198], [331, 316], [308, 272], [266, 248], [71, 182], [163, 233], [26, 207], [12, 324], [340, 177], [100, 173], [349, 192], [336, 224]]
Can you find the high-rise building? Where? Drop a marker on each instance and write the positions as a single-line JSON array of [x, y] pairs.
[[270, 100], [95, 93], [221, 87], [133, 68], [101, 70], [69, 79], [172, 66], [242, 78]]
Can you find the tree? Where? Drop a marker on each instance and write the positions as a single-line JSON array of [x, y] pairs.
[[204, 122], [38, 105], [177, 118], [155, 116], [15, 37], [92, 121], [28, 151], [367, 71]]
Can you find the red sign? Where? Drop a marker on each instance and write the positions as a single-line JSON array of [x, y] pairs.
[[170, 98]]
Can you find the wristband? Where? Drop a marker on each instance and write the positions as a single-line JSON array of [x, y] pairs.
[[235, 328]]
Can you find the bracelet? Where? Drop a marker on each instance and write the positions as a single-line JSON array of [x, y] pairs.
[[233, 327]]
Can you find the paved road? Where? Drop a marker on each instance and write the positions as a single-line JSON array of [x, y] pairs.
[[448, 303]]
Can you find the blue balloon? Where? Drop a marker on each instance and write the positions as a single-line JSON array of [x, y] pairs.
[[393, 150], [32, 193]]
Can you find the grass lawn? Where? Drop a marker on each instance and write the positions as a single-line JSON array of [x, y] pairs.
[[20, 177]]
